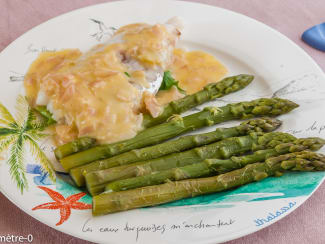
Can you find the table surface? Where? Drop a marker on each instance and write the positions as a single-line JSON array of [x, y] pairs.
[[290, 17]]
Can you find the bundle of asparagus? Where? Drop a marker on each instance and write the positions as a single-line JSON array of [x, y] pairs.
[[133, 173], [183, 143], [171, 191], [226, 148], [213, 166]]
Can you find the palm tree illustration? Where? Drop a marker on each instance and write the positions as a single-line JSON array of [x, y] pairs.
[[19, 134]]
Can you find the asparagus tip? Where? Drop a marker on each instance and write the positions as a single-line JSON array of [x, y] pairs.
[[263, 124]]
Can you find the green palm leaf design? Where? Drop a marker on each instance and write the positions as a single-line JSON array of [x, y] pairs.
[[6, 117], [36, 134], [6, 132], [15, 134], [4, 122], [29, 121], [16, 162], [5, 142], [24, 113]]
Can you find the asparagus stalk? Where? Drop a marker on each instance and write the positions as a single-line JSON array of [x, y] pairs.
[[226, 148], [213, 166], [80, 144], [184, 143], [158, 194], [208, 93], [178, 125]]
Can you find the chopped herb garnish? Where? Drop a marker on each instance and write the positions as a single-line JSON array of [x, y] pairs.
[[168, 81], [127, 74], [46, 114]]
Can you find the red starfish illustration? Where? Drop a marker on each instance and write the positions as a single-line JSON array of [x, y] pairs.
[[64, 204]]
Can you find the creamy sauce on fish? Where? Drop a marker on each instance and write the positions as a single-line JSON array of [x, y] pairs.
[[97, 94], [93, 95], [196, 69], [165, 97]]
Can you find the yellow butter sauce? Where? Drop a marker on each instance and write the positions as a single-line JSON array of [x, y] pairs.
[[195, 69], [165, 97], [45, 63]]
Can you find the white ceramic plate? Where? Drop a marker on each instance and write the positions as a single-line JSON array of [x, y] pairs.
[[244, 46]]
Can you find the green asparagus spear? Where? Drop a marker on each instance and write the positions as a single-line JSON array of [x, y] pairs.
[[158, 194], [184, 143], [80, 144], [226, 148], [213, 166], [178, 125], [208, 93]]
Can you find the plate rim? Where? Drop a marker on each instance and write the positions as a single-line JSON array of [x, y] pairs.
[[233, 236]]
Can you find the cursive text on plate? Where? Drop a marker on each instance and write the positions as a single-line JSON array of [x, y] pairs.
[[139, 230], [276, 214]]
